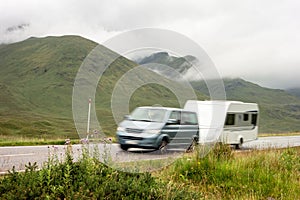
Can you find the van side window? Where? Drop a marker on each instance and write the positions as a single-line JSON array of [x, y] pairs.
[[254, 119], [175, 115], [230, 119], [188, 118]]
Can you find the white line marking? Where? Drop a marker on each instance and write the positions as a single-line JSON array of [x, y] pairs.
[[15, 155]]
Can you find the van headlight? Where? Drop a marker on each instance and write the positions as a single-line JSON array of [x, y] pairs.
[[153, 131], [121, 129]]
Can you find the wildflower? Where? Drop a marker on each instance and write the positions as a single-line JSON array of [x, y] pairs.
[[67, 141], [84, 140]]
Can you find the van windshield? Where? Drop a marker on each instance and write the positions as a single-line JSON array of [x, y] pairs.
[[148, 114]]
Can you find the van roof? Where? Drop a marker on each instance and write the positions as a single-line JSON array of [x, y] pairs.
[[219, 102], [161, 107]]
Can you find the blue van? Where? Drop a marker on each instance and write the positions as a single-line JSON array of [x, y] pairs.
[[157, 127]]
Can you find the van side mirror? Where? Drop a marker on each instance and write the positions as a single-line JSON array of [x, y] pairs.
[[126, 117], [172, 121]]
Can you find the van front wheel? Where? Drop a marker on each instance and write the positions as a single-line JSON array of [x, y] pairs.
[[124, 147], [163, 144]]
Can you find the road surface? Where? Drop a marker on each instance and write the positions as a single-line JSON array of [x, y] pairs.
[[19, 156]]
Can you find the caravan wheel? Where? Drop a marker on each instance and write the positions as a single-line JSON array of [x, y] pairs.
[[238, 146]]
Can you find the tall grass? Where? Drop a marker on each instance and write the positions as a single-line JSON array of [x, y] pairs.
[[223, 174]]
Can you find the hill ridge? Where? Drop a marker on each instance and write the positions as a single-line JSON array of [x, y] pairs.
[[36, 85], [279, 110]]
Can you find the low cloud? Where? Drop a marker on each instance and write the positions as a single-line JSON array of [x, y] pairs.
[[255, 40]]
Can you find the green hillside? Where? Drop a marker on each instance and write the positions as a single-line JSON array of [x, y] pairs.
[[280, 111], [36, 77], [294, 91], [36, 84]]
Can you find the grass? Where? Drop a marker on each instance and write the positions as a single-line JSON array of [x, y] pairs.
[[252, 175], [222, 174], [30, 129], [143, 165], [279, 134], [21, 141]]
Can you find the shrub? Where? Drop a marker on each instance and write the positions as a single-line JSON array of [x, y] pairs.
[[86, 179]]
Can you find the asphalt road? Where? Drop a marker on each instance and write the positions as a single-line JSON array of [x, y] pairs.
[[21, 155]]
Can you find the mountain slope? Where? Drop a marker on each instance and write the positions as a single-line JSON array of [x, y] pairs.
[[294, 91], [280, 111], [39, 71], [36, 85], [36, 77], [180, 64]]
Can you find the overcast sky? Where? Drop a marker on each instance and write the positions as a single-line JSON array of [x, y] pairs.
[[258, 40]]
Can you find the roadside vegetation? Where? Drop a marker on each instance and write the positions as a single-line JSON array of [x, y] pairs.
[[222, 174], [279, 134], [20, 140]]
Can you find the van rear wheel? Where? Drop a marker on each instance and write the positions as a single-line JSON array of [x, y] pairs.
[[192, 146]]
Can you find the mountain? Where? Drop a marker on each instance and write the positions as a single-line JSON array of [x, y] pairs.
[[37, 77], [279, 110], [180, 64], [36, 84], [294, 91]]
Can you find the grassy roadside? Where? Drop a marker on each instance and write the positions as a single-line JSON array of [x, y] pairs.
[[16, 140], [222, 174], [23, 141], [12, 141], [278, 134]]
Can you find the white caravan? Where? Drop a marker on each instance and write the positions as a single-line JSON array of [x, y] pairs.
[[229, 122]]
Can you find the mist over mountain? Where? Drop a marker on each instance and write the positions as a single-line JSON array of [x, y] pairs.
[[182, 65], [20, 27], [280, 110]]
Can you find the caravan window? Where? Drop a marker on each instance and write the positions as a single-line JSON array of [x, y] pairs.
[[246, 117], [230, 119], [254, 119]]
